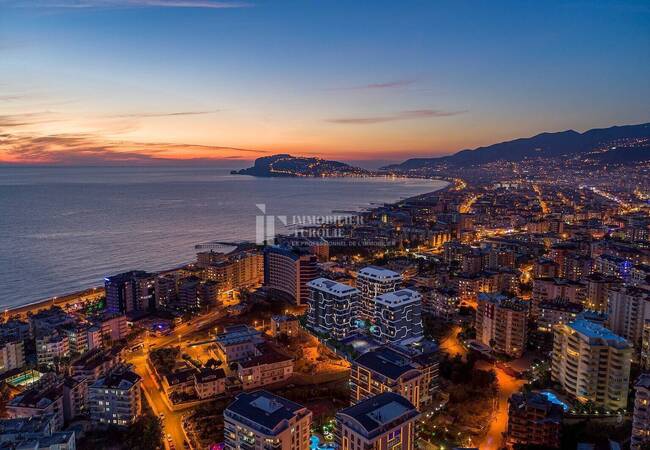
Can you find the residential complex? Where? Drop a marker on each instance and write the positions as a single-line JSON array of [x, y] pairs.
[[501, 323], [333, 307]]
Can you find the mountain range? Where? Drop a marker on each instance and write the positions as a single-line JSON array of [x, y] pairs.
[[626, 143]]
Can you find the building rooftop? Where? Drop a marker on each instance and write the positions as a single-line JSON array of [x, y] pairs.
[[269, 411], [379, 273], [397, 298], [118, 380], [386, 362], [643, 381], [332, 287], [379, 413], [594, 331]]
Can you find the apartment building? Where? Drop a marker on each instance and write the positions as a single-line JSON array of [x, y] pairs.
[[502, 323], [372, 282], [116, 398], [384, 421], [333, 307], [261, 420], [385, 369], [591, 363], [398, 317], [533, 420], [641, 415], [628, 310]]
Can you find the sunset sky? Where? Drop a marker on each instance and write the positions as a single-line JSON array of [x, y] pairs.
[[115, 81]]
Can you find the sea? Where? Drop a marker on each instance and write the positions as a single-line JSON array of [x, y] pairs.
[[63, 229]]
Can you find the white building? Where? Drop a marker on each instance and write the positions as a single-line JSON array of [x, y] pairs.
[[592, 363], [628, 309], [50, 348], [260, 420], [372, 282], [115, 399], [398, 317], [333, 307]]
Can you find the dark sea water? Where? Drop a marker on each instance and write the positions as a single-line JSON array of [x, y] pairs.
[[63, 229]]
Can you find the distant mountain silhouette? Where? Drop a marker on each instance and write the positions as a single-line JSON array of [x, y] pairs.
[[549, 145]]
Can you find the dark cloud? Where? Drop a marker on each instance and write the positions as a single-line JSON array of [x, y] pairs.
[[402, 115]]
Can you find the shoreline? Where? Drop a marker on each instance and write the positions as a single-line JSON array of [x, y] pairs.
[[95, 292]]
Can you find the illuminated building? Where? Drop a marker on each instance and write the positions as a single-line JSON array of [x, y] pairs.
[[385, 421], [333, 307], [591, 363], [386, 369], [533, 420], [628, 310], [501, 323], [398, 317], [288, 271], [373, 282], [641, 415], [261, 420]]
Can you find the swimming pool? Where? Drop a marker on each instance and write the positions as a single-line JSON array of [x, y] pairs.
[[553, 399], [314, 444]]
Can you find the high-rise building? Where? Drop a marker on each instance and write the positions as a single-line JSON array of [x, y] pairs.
[[194, 294], [130, 291], [289, 270], [628, 310], [385, 421], [333, 307], [386, 369], [645, 346], [398, 317], [166, 290], [239, 270], [372, 282], [115, 399], [261, 420], [641, 416], [591, 363], [502, 323], [597, 286], [533, 420]]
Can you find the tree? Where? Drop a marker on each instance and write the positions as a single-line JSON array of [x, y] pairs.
[[145, 433]]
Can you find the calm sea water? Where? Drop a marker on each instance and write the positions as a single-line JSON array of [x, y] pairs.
[[63, 229]]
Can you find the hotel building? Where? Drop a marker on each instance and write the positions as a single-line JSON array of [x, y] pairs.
[[373, 282], [591, 363], [385, 421], [398, 317], [333, 307], [288, 271], [130, 291], [260, 420]]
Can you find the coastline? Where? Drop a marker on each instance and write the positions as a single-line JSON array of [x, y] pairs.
[[96, 292]]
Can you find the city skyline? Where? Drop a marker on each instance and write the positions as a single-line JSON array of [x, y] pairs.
[[148, 81]]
